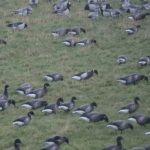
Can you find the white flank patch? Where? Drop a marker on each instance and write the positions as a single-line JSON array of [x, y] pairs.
[[112, 126], [76, 78], [73, 33], [147, 133], [129, 31], [81, 44], [47, 110], [85, 119], [63, 107], [20, 92], [48, 78], [142, 62], [31, 95], [124, 111], [55, 34], [131, 18], [0, 108], [122, 81], [49, 143], [78, 112], [132, 119], [18, 123], [26, 106], [67, 43]]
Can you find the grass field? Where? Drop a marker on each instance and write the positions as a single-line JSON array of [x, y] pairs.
[[32, 53]]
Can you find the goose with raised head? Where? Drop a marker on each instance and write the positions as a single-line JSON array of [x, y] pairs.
[[52, 108], [16, 145], [117, 146], [4, 96], [2, 41], [23, 120], [121, 59], [132, 79], [132, 29], [76, 30], [24, 89], [85, 75], [94, 117], [86, 108], [17, 25], [60, 32], [6, 103], [120, 125], [33, 2], [34, 104], [140, 119], [68, 105], [85, 42], [40, 92], [54, 77], [131, 107], [143, 61], [69, 42]]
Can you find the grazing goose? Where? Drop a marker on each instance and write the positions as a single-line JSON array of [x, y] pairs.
[[16, 146], [86, 108], [130, 108], [33, 2], [122, 59], [85, 75], [139, 16], [6, 103], [23, 120], [76, 30], [140, 119], [3, 42], [133, 29], [52, 108], [37, 93], [18, 25], [54, 77], [69, 42], [24, 89], [85, 42], [5, 93], [60, 32], [34, 104], [120, 125], [94, 117], [132, 79], [117, 146], [145, 60], [68, 105], [24, 11]]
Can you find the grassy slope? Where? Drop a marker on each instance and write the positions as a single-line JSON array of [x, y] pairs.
[[32, 53]]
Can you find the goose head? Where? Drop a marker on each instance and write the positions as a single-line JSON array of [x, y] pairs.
[[106, 118], [136, 99], [12, 102], [73, 98], [83, 30], [65, 139], [31, 113], [59, 100], [95, 71], [94, 104], [145, 78], [93, 41], [17, 142], [119, 139]]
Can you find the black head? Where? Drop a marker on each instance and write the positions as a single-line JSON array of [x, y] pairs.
[[119, 138], [86, 7], [44, 103], [145, 78], [83, 30], [17, 142], [131, 126], [46, 85], [73, 98], [94, 104], [68, 5], [6, 86], [31, 113], [12, 102], [66, 140], [106, 118], [60, 99], [25, 26], [108, 6], [95, 71], [138, 26], [136, 99], [93, 41]]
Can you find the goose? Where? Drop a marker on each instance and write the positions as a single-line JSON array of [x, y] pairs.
[[60, 32], [76, 30], [5, 93], [54, 77], [24, 11], [140, 119], [121, 59], [143, 61], [52, 147], [130, 108], [120, 125], [3, 42], [132, 79], [94, 117], [117, 146], [85, 42], [34, 104], [86, 108], [85, 75], [68, 105], [52, 108], [24, 89], [139, 16], [16, 146], [69, 42], [37, 93], [33, 2], [6, 103], [133, 29], [17, 25], [92, 7], [23, 120]]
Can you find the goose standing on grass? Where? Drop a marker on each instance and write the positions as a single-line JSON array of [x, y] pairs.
[[6, 103], [86, 108], [130, 108], [85, 42], [5, 93], [54, 77], [117, 146], [3, 42], [23, 120], [120, 125], [94, 117], [85, 75], [140, 119], [24, 11], [121, 59], [68, 105], [16, 146], [60, 32], [17, 25], [143, 61], [139, 16], [34, 104], [69, 42], [24, 89], [132, 79], [76, 30], [37, 93], [52, 108], [132, 29]]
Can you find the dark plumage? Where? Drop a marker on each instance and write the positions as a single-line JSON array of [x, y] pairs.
[[54, 77], [5, 93], [18, 25], [6, 103], [3, 42], [16, 146]]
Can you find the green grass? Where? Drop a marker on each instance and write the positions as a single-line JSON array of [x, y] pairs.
[[32, 53]]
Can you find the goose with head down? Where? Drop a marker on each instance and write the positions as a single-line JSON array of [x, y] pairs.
[[54, 77], [17, 25], [121, 59], [16, 145]]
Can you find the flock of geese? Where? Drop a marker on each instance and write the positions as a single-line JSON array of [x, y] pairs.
[[85, 111]]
